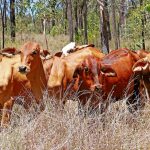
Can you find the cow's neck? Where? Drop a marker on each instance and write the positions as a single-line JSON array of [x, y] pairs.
[[38, 81]]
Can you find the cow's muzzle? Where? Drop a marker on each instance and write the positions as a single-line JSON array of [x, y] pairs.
[[96, 87], [23, 69]]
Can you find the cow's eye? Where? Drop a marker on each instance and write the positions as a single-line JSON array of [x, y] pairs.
[[34, 52], [86, 69], [103, 69]]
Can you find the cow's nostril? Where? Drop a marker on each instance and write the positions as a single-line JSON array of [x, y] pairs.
[[22, 68], [97, 88]]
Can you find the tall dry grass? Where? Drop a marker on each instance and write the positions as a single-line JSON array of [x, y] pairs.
[[64, 129], [55, 43]]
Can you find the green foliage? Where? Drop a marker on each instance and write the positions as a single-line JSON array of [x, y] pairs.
[[56, 30], [93, 27], [133, 30], [147, 8]]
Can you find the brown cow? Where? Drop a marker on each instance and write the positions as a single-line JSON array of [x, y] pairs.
[[6, 84], [23, 84], [30, 78], [62, 70], [33, 68], [6, 77], [111, 76]]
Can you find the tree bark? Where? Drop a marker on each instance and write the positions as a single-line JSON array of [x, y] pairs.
[[70, 19], [53, 12], [65, 13], [104, 26], [85, 22], [80, 14], [5, 15], [143, 26], [114, 26], [122, 12], [3, 22], [76, 19], [12, 20]]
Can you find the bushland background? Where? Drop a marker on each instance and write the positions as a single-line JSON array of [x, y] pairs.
[[109, 24]]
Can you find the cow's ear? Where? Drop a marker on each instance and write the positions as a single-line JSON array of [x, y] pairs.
[[108, 71], [141, 66], [8, 52], [58, 54]]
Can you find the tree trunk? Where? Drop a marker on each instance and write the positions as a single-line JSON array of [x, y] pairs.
[[53, 12], [70, 19], [76, 19], [65, 8], [44, 26], [80, 15], [12, 20], [5, 15], [85, 22], [3, 22], [143, 26], [122, 12], [114, 27], [122, 18], [104, 26]]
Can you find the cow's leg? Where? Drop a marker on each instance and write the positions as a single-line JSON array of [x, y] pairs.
[[6, 112]]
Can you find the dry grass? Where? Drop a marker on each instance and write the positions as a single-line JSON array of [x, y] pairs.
[[56, 129], [54, 43]]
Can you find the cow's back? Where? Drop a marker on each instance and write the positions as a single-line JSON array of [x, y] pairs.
[[122, 62]]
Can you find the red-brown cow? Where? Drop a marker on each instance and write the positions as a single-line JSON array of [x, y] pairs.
[[111, 76], [27, 83], [63, 69], [32, 67]]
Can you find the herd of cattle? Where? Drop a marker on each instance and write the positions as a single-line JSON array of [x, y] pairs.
[[119, 73]]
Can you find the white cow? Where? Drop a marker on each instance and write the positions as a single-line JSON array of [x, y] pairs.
[[68, 48]]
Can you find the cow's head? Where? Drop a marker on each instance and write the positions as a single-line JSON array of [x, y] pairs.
[[90, 72], [30, 57], [142, 66]]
